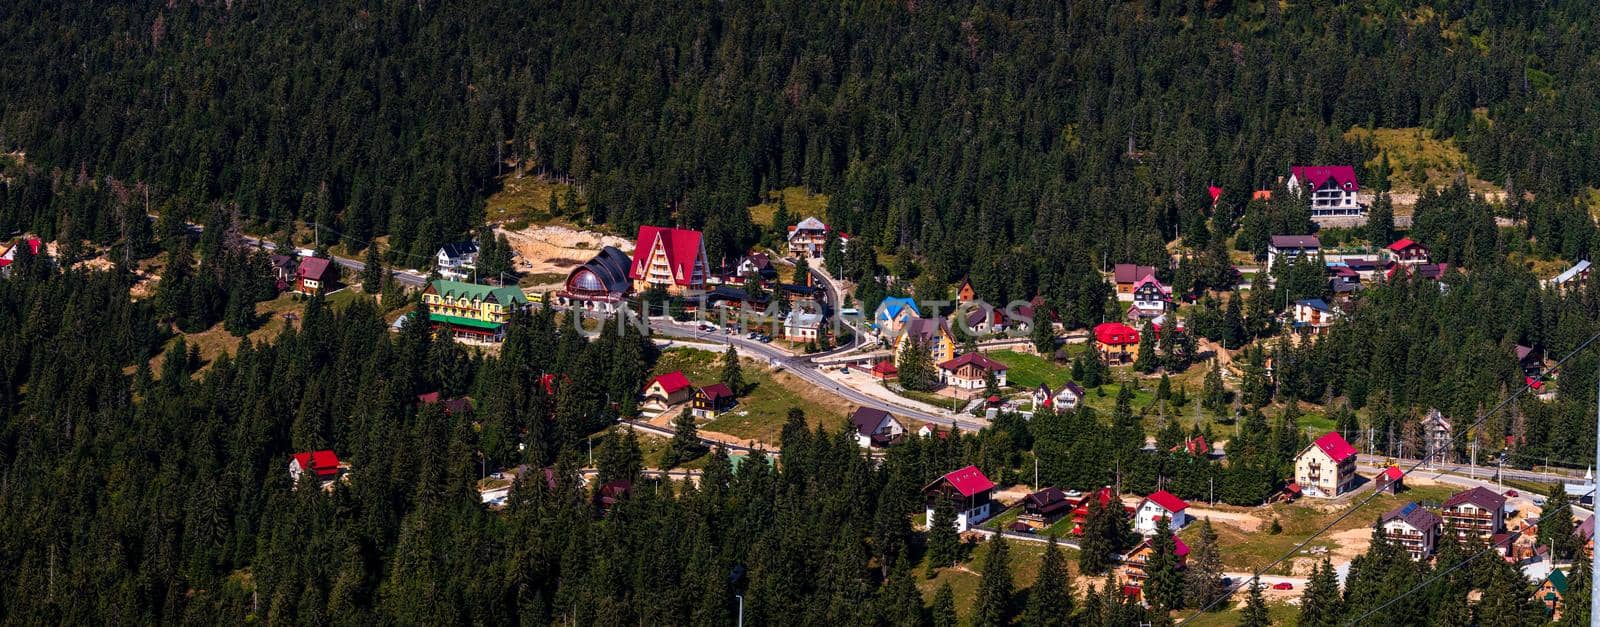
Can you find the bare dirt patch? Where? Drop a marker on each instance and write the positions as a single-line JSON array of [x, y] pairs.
[[555, 250]]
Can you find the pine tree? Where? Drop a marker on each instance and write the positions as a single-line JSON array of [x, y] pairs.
[[1164, 589], [1050, 601], [1101, 541], [1556, 528], [1214, 397], [944, 544], [372, 274], [1319, 606], [1508, 598], [1575, 604], [1233, 322], [1042, 332], [916, 367], [802, 272], [732, 374], [1255, 608], [1147, 359], [992, 608], [899, 600], [686, 444], [1202, 580], [944, 607]]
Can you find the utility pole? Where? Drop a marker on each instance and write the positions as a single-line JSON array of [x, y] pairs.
[[1472, 470]]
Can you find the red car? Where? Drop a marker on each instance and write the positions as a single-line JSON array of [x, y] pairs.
[[1511, 493], [1283, 585]]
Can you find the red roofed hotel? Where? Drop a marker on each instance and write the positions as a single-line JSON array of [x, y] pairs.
[[671, 258], [323, 465], [1159, 505], [1327, 468], [1117, 342], [968, 490], [1330, 190]]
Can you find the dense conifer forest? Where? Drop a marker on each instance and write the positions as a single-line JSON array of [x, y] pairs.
[[1026, 144]]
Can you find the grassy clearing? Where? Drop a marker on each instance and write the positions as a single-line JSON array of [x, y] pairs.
[[216, 340], [1027, 370], [1025, 559], [1279, 613], [1410, 148], [526, 200], [761, 413], [801, 203], [1247, 550]]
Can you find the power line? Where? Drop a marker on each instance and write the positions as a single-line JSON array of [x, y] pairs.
[[1352, 510], [1437, 574]]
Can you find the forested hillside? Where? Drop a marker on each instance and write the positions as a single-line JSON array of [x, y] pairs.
[[960, 132]]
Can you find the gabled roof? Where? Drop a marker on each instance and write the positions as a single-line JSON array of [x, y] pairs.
[[926, 329], [1295, 241], [1167, 501], [885, 366], [472, 291], [1577, 268], [977, 359], [1524, 352], [1320, 176], [1129, 273], [1481, 497], [1393, 473], [1415, 515], [671, 382], [968, 481], [867, 419], [716, 392], [1151, 279], [1075, 389], [1314, 303], [1558, 580], [321, 463], [1047, 496], [682, 247], [1402, 244], [811, 223], [891, 307], [457, 250], [1334, 446], [314, 268], [1115, 333]]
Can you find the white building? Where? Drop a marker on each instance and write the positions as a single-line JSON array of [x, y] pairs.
[[1159, 505], [457, 260], [1329, 190], [1287, 247]]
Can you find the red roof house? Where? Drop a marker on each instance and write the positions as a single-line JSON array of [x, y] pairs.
[[1161, 504], [1327, 468], [1319, 176], [323, 465], [885, 369], [314, 276], [666, 390], [968, 490], [1335, 446], [1116, 341], [669, 257], [1405, 250], [1390, 480]]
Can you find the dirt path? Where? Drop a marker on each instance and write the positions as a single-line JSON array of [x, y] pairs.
[[1243, 520]]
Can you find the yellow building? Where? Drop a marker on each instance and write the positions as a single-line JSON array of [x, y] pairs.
[[470, 311], [933, 333]]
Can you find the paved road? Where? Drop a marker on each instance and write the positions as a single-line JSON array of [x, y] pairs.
[[803, 368]]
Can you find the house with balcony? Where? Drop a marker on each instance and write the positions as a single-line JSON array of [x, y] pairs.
[[1133, 571], [1407, 251], [808, 239], [1116, 342], [670, 258], [932, 333], [1327, 468], [315, 275], [1575, 277], [972, 371], [1161, 504], [876, 428], [1151, 299], [1439, 437], [1413, 527], [968, 490], [1127, 276], [1551, 593], [663, 391], [456, 260], [1313, 316], [1043, 508], [471, 312], [1068, 397], [1328, 190], [892, 315], [1478, 512], [710, 401]]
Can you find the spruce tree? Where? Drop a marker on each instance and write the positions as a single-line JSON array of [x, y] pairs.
[[1202, 580], [899, 600], [1575, 604], [1556, 527], [944, 544], [686, 444], [916, 368], [1050, 601], [1319, 605], [1164, 589], [944, 607], [1100, 543], [1508, 598], [732, 374], [372, 274], [1042, 332], [1147, 359], [992, 608], [1255, 607]]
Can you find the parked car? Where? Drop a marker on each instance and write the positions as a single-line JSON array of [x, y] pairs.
[[1512, 493], [1283, 585]]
